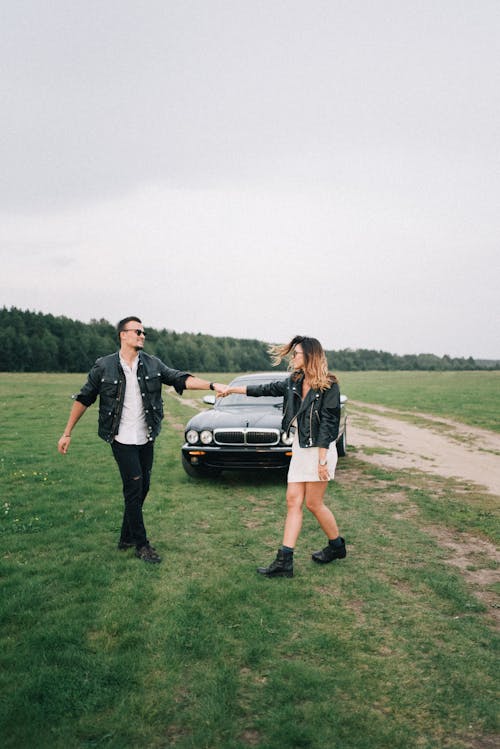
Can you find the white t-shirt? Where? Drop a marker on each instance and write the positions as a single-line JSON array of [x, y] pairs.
[[133, 429]]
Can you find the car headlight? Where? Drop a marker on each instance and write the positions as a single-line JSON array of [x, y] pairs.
[[287, 439], [206, 436], [192, 436]]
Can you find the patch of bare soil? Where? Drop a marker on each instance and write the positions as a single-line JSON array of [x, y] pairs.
[[484, 742], [434, 445], [479, 562]]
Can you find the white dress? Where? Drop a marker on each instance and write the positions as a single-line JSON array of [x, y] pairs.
[[305, 460]]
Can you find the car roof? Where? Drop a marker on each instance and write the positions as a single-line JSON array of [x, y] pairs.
[[261, 377]]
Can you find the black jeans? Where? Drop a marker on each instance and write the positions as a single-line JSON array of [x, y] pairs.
[[135, 463]]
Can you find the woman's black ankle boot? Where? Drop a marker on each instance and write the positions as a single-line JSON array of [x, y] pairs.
[[281, 567], [330, 552]]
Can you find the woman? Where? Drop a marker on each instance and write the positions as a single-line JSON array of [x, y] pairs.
[[311, 410]]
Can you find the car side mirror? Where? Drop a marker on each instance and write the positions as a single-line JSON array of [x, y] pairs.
[[210, 399]]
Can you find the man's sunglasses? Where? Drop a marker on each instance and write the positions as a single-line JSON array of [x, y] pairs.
[[137, 331]]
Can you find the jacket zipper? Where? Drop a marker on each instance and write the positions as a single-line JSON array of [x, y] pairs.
[[310, 425], [310, 421], [286, 409]]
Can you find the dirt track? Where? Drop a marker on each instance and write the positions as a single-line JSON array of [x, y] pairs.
[[431, 444]]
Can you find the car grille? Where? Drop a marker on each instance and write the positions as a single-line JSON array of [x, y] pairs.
[[240, 459], [246, 436]]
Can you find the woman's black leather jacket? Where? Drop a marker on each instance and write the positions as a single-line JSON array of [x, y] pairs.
[[107, 380], [318, 414]]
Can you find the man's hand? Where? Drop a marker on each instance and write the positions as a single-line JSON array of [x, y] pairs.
[[63, 444], [77, 411]]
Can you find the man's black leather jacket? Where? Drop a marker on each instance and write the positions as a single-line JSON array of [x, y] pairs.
[[107, 379], [318, 414]]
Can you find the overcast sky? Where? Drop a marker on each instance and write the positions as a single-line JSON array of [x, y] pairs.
[[256, 168]]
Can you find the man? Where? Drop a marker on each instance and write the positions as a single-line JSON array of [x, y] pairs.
[[128, 384]]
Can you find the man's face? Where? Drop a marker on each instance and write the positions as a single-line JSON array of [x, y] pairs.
[[134, 334]]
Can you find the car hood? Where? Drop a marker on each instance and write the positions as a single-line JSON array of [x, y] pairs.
[[240, 416]]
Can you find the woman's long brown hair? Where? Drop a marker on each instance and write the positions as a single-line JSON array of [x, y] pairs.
[[315, 363]]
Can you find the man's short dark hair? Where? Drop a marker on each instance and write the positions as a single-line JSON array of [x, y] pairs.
[[123, 323]]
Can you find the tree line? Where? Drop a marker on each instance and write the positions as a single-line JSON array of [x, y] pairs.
[[37, 342]]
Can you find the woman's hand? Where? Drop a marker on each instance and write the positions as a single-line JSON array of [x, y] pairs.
[[323, 472]]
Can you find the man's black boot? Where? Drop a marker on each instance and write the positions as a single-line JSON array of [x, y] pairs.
[[335, 550], [281, 567]]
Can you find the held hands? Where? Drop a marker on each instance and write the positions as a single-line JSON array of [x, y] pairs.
[[220, 389], [239, 389], [225, 391]]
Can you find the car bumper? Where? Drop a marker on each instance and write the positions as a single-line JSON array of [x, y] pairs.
[[237, 459]]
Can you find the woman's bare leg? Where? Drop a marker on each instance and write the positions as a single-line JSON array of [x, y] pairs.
[[314, 493], [294, 500]]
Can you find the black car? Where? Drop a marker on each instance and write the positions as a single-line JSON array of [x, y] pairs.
[[243, 432]]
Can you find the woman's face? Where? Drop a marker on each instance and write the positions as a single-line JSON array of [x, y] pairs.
[[298, 357]]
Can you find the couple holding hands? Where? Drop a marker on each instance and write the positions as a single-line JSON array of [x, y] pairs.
[[129, 384]]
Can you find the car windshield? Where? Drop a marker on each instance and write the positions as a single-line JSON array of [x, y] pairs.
[[236, 399]]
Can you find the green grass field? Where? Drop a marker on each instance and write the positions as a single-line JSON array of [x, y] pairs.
[[392, 648], [470, 397]]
